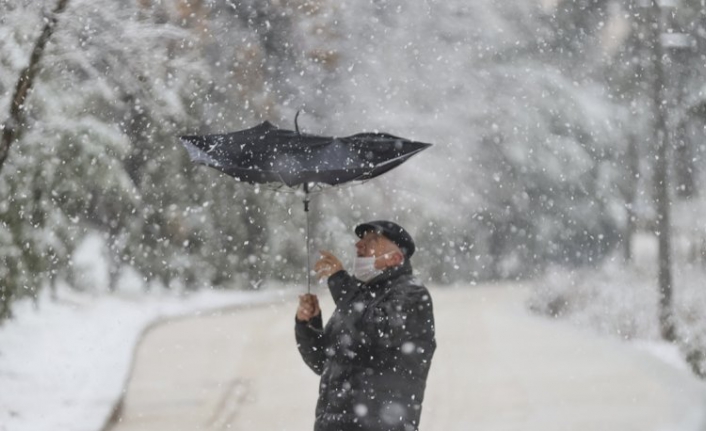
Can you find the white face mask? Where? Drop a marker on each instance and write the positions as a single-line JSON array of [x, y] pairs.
[[364, 267]]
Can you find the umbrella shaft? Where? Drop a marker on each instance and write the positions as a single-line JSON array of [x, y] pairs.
[[308, 251]]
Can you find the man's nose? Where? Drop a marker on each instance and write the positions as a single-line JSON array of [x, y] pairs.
[[360, 247]]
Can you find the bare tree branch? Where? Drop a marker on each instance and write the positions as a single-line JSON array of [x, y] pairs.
[[13, 127]]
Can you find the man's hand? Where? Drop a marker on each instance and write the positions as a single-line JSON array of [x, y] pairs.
[[327, 265], [308, 307]]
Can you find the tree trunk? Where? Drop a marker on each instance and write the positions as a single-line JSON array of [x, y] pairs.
[[661, 177], [14, 126], [633, 163], [255, 230], [5, 300], [685, 168]]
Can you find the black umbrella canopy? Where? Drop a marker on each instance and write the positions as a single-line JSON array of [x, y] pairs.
[[266, 154]]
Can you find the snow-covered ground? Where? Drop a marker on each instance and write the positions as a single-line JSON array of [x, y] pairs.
[[63, 366], [64, 362], [622, 300], [497, 367]]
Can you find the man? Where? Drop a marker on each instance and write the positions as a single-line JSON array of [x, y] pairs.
[[375, 352]]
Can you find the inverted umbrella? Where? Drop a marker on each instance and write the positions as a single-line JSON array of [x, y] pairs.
[[265, 154]]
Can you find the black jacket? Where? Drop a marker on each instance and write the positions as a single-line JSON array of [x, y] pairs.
[[374, 354]]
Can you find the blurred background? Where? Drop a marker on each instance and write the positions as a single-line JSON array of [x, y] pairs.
[[566, 133]]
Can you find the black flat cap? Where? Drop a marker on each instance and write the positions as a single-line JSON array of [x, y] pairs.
[[391, 231]]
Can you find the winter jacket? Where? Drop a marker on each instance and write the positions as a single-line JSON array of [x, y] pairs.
[[374, 354]]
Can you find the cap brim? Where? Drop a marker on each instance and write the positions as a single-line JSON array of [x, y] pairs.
[[361, 229]]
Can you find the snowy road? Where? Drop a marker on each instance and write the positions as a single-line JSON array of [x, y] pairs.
[[496, 368]]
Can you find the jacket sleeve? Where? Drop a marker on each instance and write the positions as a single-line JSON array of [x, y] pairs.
[[404, 324], [341, 284], [310, 342]]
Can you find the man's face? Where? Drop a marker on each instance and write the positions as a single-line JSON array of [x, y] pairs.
[[370, 245], [373, 244]]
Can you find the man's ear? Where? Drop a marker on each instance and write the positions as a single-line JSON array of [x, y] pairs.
[[397, 259]]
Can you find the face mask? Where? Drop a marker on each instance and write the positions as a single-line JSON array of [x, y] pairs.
[[364, 268]]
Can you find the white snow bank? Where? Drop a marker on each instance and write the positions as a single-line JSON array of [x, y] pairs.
[[63, 367], [623, 301]]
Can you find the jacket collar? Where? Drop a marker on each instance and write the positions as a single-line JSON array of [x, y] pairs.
[[388, 276]]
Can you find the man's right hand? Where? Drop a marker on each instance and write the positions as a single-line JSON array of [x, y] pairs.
[[308, 307], [327, 265]]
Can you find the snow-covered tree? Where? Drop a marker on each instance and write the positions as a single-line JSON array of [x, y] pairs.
[[526, 166]]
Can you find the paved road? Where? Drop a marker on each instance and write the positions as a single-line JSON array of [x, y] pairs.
[[496, 368]]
